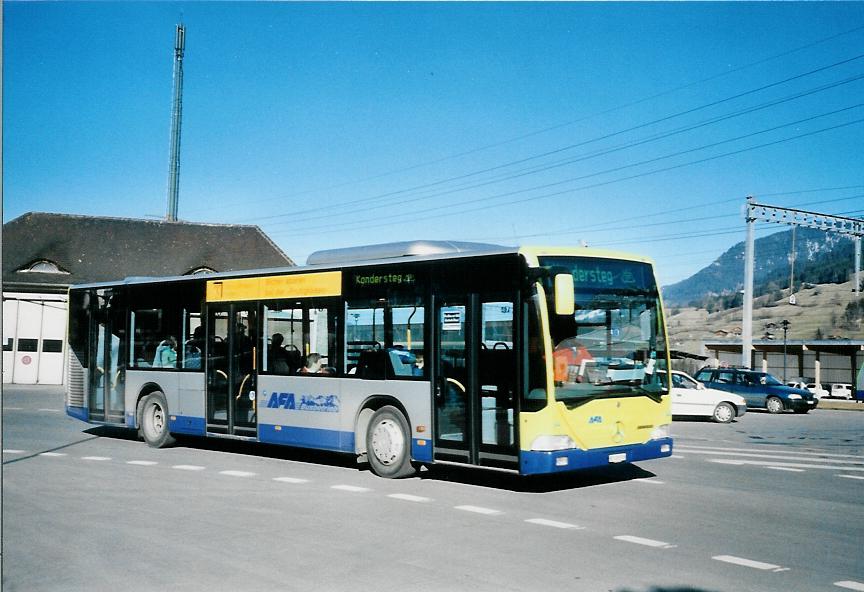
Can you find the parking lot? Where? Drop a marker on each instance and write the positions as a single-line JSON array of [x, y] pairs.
[[768, 502]]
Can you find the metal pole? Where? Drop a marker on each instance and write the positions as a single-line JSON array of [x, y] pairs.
[[747, 322], [176, 116], [857, 268], [785, 328]]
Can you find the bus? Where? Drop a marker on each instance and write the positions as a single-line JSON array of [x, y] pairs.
[[531, 360]]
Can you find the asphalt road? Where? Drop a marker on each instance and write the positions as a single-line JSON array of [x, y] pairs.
[[766, 503]]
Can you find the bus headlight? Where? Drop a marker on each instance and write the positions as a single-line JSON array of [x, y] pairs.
[[661, 432], [546, 443]]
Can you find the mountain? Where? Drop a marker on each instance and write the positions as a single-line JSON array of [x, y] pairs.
[[820, 258]]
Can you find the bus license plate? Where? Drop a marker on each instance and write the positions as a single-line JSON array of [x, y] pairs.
[[617, 458]]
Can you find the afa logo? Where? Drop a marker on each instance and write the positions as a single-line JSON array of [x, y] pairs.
[[595, 419], [281, 401]]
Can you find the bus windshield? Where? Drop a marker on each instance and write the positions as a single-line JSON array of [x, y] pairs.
[[613, 345]]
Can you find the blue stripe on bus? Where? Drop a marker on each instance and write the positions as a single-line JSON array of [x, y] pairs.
[[78, 412], [534, 462], [184, 424], [307, 437], [422, 453]]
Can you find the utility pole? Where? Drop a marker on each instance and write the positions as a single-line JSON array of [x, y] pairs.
[[852, 227], [785, 324], [747, 324], [176, 116]]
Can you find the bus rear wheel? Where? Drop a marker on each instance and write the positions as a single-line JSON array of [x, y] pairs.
[[154, 421], [388, 444]]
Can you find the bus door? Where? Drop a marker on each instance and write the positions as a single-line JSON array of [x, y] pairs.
[[476, 375], [232, 332], [107, 347]]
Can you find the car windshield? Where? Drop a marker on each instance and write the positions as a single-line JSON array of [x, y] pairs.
[[613, 345]]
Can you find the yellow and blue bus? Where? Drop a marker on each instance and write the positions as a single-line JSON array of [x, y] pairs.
[[532, 360]]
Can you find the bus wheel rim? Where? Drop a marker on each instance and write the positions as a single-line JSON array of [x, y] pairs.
[[387, 442], [158, 418]]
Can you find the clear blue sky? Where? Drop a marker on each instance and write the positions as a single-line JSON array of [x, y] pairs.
[[339, 124]]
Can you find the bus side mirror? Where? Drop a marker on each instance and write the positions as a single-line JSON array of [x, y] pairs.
[[565, 303]]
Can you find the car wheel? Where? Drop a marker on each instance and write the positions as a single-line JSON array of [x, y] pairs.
[[723, 413], [774, 405], [388, 444], [154, 421]]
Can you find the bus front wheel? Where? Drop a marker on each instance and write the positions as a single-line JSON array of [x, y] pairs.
[[388, 444], [154, 421]]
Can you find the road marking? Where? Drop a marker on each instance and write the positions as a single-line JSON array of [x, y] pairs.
[[52, 454], [95, 458], [478, 510], [554, 523], [410, 498], [851, 476], [290, 480], [790, 469], [50, 410], [764, 463], [13, 451], [646, 542], [764, 453], [650, 481], [143, 463], [237, 473], [748, 563], [13, 409], [850, 585], [351, 488], [188, 467], [677, 456]]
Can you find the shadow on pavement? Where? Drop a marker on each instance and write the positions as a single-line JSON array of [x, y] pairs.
[[539, 483], [667, 589], [319, 457], [450, 473]]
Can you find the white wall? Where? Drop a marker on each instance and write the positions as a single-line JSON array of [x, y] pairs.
[[36, 326]]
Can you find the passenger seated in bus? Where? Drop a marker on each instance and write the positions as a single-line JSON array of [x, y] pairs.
[[313, 365], [417, 370], [279, 358], [193, 348], [166, 353]]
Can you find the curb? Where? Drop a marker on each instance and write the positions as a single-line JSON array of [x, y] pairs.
[[840, 405]]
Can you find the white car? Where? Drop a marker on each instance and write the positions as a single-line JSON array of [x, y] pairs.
[[691, 397], [841, 391], [817, 390]]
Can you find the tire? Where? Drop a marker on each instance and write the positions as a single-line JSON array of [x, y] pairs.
[[723, 413], [388, 444], [774, 405], [154, 421]]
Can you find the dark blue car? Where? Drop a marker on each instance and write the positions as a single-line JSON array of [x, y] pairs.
[[760, 389]]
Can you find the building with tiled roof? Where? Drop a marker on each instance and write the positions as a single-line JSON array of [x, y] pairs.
[[43, 254]]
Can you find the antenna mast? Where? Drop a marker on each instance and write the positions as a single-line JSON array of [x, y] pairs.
[[176, 115]]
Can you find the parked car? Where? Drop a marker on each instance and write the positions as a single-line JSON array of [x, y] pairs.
[[691, 397], [760, 389], [817, 390], [841, 391]]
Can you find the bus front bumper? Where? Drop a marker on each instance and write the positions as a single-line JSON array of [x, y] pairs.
[[533, 462]]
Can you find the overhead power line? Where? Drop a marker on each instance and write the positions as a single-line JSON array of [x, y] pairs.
[[568, 123], [414, 215], [385, 197]]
